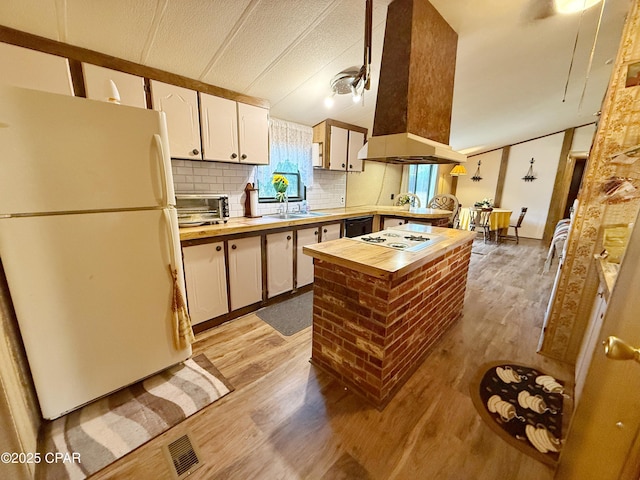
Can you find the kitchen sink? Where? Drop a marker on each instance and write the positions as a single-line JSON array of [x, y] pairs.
[[297, 215]]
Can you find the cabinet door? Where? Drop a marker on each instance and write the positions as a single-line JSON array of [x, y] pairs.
[[356, 141], [26, 68], [181, 107], [205, 276], [245, 271], [338, 148], [97, 82], [219, 120], [279, 263], [390, 222], [330, 232], [304, 263], [588, 344], [253, 129]]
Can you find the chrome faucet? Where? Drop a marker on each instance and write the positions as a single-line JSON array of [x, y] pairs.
[[283, 210]]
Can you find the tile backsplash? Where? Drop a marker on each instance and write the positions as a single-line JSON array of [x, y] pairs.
[[327, 191]]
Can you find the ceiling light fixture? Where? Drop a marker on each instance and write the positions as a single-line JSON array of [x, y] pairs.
[[355, 80], [573, 6], [458, 170]]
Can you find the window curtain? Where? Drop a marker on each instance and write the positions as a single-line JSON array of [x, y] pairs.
[[289, 151]]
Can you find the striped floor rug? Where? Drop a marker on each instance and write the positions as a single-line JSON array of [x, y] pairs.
[[107, 429]]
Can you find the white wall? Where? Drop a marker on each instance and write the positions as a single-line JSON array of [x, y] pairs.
[[374, 185], [583, 138], [468, 191], [535, 195], [189, 176]]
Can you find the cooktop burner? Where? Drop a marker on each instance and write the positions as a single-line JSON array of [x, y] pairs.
[[373, 239], [417, 238], [399, 246], [399, 240]]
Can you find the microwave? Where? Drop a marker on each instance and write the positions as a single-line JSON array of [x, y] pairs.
[[202, 209]]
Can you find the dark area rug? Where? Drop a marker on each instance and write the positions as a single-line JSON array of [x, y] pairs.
[[523, 406], [290, 316], [98, 434]]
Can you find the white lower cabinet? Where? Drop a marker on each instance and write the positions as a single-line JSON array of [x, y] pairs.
[[589, 341], [304, 263], [279, 263], [245, 271], [330, 232], [390, 222], [206, 281]]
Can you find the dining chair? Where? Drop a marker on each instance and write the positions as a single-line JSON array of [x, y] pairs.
[[517, 225], [479, 220], [446, 201]]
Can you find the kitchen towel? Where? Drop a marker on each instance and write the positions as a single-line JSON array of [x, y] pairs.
[[100, 433]]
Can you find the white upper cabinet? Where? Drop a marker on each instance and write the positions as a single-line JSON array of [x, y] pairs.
[[338, 148], [98, 86], [338, 144], [234, 132], [356, 141], [253, 131], [181, 107], [219, 123], [22, 67]]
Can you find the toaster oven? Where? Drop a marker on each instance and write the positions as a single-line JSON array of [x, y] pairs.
[[201, 209]]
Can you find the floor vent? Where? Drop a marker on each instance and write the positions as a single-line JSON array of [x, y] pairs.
[[183, 457]]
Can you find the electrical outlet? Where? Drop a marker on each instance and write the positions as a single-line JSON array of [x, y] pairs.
[[341, 199], [392, 196]]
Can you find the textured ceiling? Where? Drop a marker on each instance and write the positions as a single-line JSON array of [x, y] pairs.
[[510, 75]]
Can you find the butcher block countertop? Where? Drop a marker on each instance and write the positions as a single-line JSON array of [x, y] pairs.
[[384, 262], [245, 225]]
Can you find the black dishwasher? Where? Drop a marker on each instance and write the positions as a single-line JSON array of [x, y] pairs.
[[354, 227]]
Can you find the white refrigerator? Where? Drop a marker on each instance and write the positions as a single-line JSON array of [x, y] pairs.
[[88, 239]]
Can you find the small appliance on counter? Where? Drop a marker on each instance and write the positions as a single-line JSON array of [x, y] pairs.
[[195, 209]]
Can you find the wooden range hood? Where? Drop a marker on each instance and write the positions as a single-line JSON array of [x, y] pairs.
[[415, 92]]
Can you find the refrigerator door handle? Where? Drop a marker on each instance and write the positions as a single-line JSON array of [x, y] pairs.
[[168, 197], [172, 238]]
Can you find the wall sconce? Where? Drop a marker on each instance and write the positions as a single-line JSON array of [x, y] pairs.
[[458, 170], [476, 176], [530, 177]]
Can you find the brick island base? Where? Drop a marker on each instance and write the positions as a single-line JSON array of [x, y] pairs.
[[372, 334]]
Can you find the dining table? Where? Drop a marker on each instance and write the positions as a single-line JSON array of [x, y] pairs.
[[498, 220]]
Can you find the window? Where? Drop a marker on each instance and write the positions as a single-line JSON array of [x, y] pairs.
[[296, 191], [422, 181], [290, 155]]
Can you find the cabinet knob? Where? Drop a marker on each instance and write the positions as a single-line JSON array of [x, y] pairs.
[[218, 248], [324, 231], [195, 151], [350, 167], [316, 232], [233, 247], [288, 237], [234, 155], [343, 165], [244, 156]]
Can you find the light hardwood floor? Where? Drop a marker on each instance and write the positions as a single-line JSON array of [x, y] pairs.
[[287, 420]]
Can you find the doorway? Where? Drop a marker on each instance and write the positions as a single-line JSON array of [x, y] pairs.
[[579, 165]]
